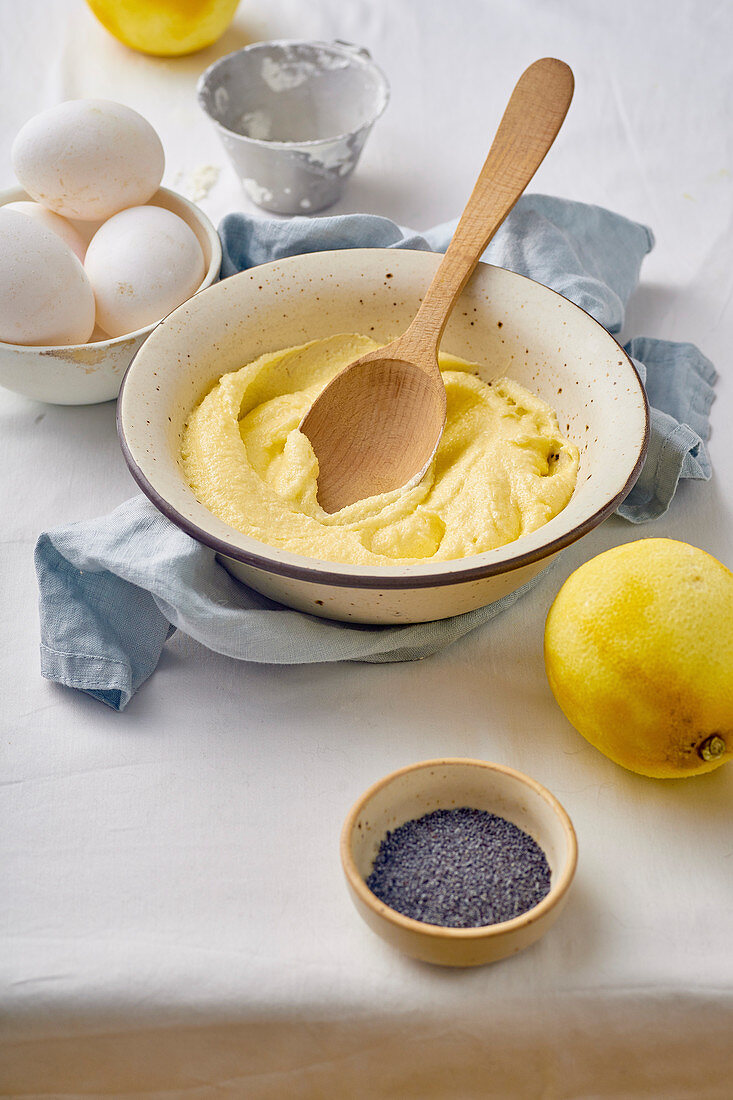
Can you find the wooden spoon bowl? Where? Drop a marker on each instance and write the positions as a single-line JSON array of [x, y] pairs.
[[351, 466], [376, 426]]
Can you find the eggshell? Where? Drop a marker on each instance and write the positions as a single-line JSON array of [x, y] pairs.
[[58, 225], [45, 295], [88, 158], [142, 263], [86, 230]]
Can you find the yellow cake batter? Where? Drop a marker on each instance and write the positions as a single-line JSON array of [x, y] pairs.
[[502, 468]]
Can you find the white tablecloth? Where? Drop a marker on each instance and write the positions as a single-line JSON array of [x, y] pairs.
[[174, 921]]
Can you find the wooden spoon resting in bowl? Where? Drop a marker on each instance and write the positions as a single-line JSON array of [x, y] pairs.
[[377, 424]]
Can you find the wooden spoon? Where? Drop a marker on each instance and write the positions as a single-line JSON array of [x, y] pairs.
[[377, 424]]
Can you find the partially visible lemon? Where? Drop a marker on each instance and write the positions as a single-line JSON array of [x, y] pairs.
[[639, 655], [166, 28]]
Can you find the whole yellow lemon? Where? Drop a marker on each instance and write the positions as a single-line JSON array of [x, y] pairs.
[[639, 655], [166, 28]]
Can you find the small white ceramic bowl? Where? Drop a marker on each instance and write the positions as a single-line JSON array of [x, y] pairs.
[[85, 374], [450, 784], [294, 117], [505, 322]]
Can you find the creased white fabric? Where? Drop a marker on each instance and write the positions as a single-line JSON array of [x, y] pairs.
[[173, 919]]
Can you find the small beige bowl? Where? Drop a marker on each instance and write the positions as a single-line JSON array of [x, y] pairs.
[[448, 784], [85, 374]]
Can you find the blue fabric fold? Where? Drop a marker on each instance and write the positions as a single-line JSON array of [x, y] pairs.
[[586, 253], [679, 383], [112, 590], [106, 614]]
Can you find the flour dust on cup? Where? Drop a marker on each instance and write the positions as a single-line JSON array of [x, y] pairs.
[[293, 118]]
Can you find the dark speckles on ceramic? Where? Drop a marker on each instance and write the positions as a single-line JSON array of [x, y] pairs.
[[512, 326]]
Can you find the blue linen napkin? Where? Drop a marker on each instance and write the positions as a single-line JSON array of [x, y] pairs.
[[113, 590]]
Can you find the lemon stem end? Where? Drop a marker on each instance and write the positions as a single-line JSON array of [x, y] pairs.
[[711, 748]]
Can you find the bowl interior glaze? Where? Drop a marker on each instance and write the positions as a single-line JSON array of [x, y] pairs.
[[504, 322]]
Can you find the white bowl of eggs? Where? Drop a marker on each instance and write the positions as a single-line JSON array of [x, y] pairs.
[[95, 252]]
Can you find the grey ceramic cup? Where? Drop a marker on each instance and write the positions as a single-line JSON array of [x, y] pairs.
[[293, 117]]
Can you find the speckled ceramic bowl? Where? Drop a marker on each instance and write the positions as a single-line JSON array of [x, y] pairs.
[[449, 784], [85, 374], [509, 324]]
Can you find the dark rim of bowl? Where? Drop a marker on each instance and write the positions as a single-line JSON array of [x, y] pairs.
[[319, 572]]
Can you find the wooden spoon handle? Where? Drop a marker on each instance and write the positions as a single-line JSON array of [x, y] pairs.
[[528, 128]]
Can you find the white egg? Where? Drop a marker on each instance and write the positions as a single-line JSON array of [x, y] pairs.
[[45, 295], [58, 225], [88, 158], [86, 230], [142, 263]]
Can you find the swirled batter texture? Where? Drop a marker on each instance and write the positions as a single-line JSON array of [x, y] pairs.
[[502, 468]]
